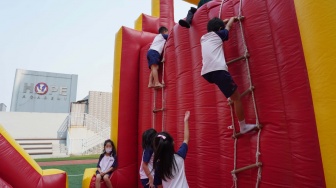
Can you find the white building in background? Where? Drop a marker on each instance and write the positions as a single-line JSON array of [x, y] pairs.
[[45, 120], [100, 105], [3, 107], [39, 115], [90, 116], [36, 91]]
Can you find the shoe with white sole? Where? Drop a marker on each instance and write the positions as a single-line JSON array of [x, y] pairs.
[[247, 127]]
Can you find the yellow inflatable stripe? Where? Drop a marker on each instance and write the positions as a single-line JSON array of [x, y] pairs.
[[317, 28], [156, 8], [53, 172], [88, 173], [138, 23], [116, 87], [195, 2], [19, 149]]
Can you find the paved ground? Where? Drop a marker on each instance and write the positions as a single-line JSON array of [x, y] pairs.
[[56, 163]]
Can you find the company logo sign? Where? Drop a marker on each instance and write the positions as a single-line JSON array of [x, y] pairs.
[[41, 88], [44, 91]]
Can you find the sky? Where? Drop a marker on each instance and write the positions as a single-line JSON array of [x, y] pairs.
[[66, 36]]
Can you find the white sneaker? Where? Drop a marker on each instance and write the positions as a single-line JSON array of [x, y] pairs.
[[247, 127]]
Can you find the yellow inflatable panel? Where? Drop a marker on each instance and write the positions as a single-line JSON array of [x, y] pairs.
[[317, 28], [87, 176], [116, 84], [195, 2], [20, 150]]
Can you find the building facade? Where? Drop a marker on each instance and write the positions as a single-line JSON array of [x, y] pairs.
[[36, 91]]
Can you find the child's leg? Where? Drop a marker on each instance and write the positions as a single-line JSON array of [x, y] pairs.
[[107, 181], [186, 23], [155, 75], [238, 106], [228, 87], [239, 110], [98, 179], [150, 82]]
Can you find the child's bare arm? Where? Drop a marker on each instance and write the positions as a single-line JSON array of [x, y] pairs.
[[186, 127], [148, 173], [230, 22]]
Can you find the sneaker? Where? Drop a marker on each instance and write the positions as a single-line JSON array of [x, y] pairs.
[[247, 127]]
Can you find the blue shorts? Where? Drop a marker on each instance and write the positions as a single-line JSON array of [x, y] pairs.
[[223, 80], [153, 57], [157, 181], [109, 174]]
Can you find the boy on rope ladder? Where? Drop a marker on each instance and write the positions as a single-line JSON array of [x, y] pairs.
[[214, 68], [187, 22], [154, 57]]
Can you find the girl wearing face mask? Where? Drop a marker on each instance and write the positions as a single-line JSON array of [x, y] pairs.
[[107, 163]]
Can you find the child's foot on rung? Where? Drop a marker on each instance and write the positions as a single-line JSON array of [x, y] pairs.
[[247, 128], [150, 85], [158, 85]]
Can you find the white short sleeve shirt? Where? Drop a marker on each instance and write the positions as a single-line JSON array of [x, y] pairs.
[[212, 51], [179, 180], [158, 43]]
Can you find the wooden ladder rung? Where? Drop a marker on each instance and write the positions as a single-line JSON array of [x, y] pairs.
[[258, 164], [159, 87], [249, 90], [245, 56], [158, 110], [258, 127]]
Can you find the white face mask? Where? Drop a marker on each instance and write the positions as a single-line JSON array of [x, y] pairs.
[[108, 150]]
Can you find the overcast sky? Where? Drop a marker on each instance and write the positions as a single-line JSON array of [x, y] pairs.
[[66, 36]]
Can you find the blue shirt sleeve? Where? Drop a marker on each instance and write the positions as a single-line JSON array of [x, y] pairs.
[[147, 155], [115, 163], [223, 34], [182, 152], [100, 158], [165, 36]]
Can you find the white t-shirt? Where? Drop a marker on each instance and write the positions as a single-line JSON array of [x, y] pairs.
[[148, 157], [212, 51], [158, 43], [179, 180], [106, 163]]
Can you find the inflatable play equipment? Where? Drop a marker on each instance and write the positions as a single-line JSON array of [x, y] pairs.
[[18, 169], [282, 58]]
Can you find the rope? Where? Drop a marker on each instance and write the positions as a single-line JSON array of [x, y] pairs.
[[254, 104], [163, 103], [163, 97], [154, 107], [234, 177], [220, 9]]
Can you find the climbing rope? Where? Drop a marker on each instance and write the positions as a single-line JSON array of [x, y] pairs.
[[234, 176], [154, 107], [155, 110], [221, 6], [163, 98]]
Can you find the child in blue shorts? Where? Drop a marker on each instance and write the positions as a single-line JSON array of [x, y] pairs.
[[214, 68], [154, 57]]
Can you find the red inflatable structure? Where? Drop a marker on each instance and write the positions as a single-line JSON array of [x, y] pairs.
[[284, 153]]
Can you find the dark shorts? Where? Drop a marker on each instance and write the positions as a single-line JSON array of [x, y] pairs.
[[153, 57], [109, 174], [157, 181], [223, 80]]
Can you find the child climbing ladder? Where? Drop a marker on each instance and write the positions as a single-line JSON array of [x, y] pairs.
[[214, 68]]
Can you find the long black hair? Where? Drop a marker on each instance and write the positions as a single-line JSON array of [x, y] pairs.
[[164, 159], [148, 138], [114, 151]]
